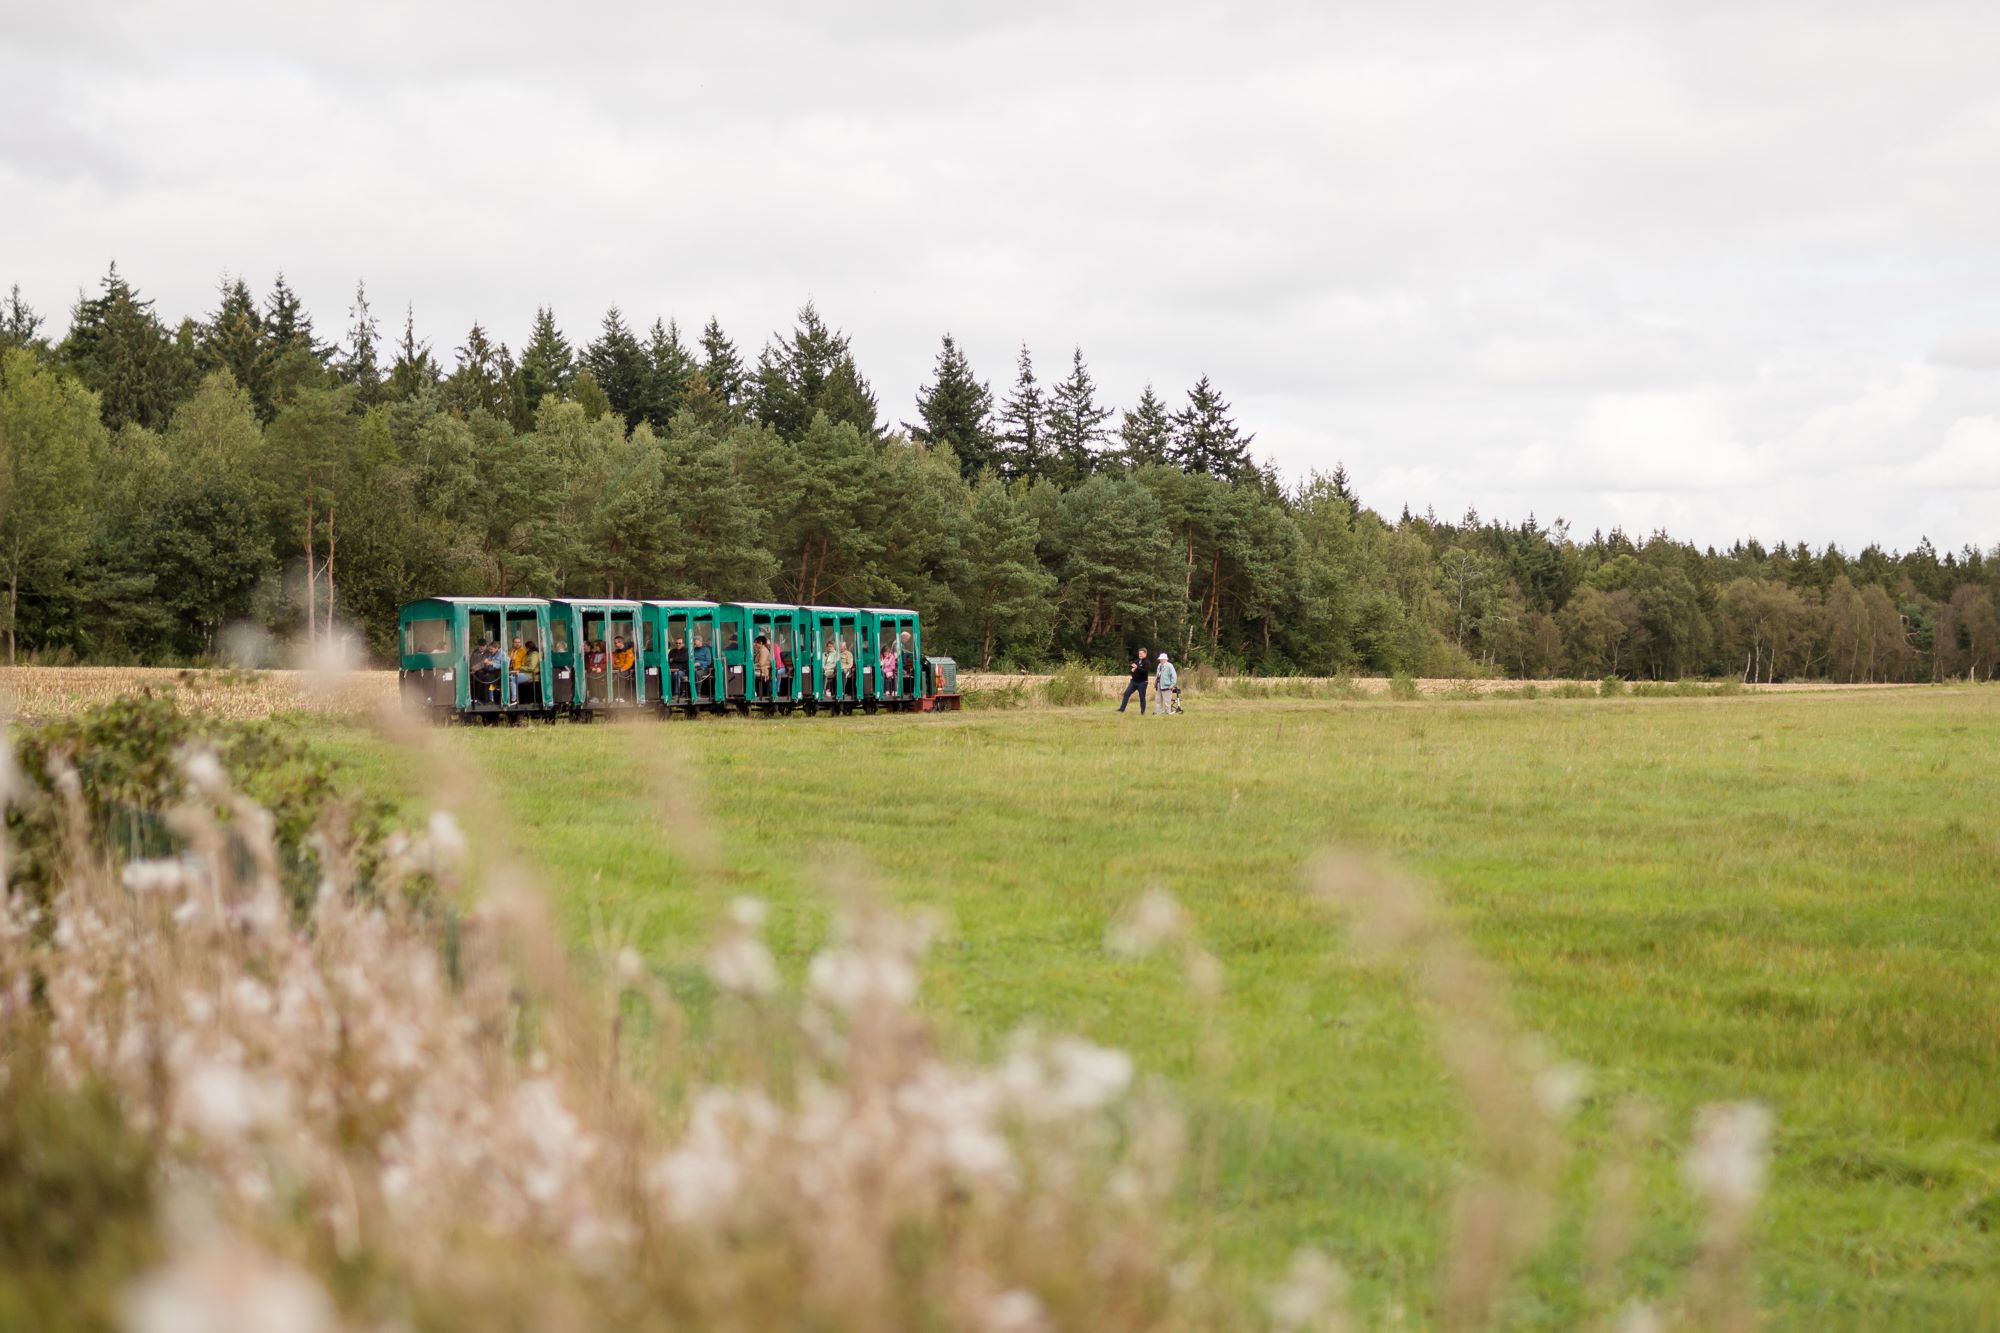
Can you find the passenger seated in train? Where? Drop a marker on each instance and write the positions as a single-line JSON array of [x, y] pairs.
[[703, 662], [888, 665], [677, 666], [829, 665], [486, 671], [528, 673], [781, 666], [908, 649], [623, 664], [760, 665], [853, 682], [593, 669]]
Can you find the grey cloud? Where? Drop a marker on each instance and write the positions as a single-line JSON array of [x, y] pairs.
[[1630, 263]]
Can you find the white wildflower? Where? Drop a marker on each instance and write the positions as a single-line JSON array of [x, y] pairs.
[[1312, 1295], [696, 1186], [228, 1291], [1087, 1077], [1561, 1088], [749, 913], [1731, 1149], [222, 1102], [1014, 1311], [204, 772], [740, 963], [447, 841], [159, 875], [1638, 1317], [1156, 919], [629, 967], [850, 981]]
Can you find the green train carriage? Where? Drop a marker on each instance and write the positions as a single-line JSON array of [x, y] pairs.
[[454, 657], [591, 657]]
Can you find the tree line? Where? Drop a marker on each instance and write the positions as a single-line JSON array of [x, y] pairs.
[[161, 483]]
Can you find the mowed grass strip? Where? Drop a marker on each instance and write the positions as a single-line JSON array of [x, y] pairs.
[[1791, 898]]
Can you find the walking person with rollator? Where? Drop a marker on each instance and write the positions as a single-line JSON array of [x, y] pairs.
[[1168, 679], [1141, 668]]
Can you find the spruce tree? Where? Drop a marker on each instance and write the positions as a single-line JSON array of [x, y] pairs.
[[233, 339], [721, 366], [119, 348], [414, 369], [670, 368], [482, 379], [810, 372], [1022, 449], [548, 365], [287, 326], [1147, 432], [1075, 425], [956, 409], [619, 364], [19, 324], [1206, 438], [360, 365]]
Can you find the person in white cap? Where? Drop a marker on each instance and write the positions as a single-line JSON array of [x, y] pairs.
[[1168, 679]]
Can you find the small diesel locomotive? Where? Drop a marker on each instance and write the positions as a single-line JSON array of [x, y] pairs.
[[502, 659]]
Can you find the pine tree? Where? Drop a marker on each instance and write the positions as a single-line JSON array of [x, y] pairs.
[[1022, 448], [1075, 425], [415, 369], [548, 365], [619, 364], [956, 409], [670, 368], [19, 324], [1206, 438], [721, 366], [361, 365], [119, 348], [1009, 601], [1147, 432]]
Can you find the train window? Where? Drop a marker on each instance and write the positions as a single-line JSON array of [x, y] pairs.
[[559, 636], [646, 633], [427, 636], [726, 634]]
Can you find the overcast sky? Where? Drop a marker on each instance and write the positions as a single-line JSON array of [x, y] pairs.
[[1728, 268]]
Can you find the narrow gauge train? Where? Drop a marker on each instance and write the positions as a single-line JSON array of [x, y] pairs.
[[604, 656]]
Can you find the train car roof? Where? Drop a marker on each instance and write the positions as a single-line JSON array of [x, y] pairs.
[[766, 606], [596, 601], [835, 610], [479, 601], [888, 610], [690, 602]]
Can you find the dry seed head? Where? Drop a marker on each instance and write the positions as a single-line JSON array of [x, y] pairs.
[[1150, 923], [1727, 1161]]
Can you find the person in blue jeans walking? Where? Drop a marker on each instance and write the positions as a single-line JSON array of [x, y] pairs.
[[1141, 668]]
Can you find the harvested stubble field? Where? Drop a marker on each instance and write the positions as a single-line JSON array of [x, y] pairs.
[[42, 691], [1782, 896]]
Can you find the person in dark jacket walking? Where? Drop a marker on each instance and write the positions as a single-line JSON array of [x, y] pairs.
[[1141, 668]]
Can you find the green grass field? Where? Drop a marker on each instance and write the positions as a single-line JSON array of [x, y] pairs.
[[1785, 897]]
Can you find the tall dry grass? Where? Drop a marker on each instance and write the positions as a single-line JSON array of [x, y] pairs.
[[390, 1098]]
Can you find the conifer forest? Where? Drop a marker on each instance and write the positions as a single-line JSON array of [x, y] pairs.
[[165, 479]]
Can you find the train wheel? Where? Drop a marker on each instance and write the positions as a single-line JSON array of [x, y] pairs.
[[870, 706]]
